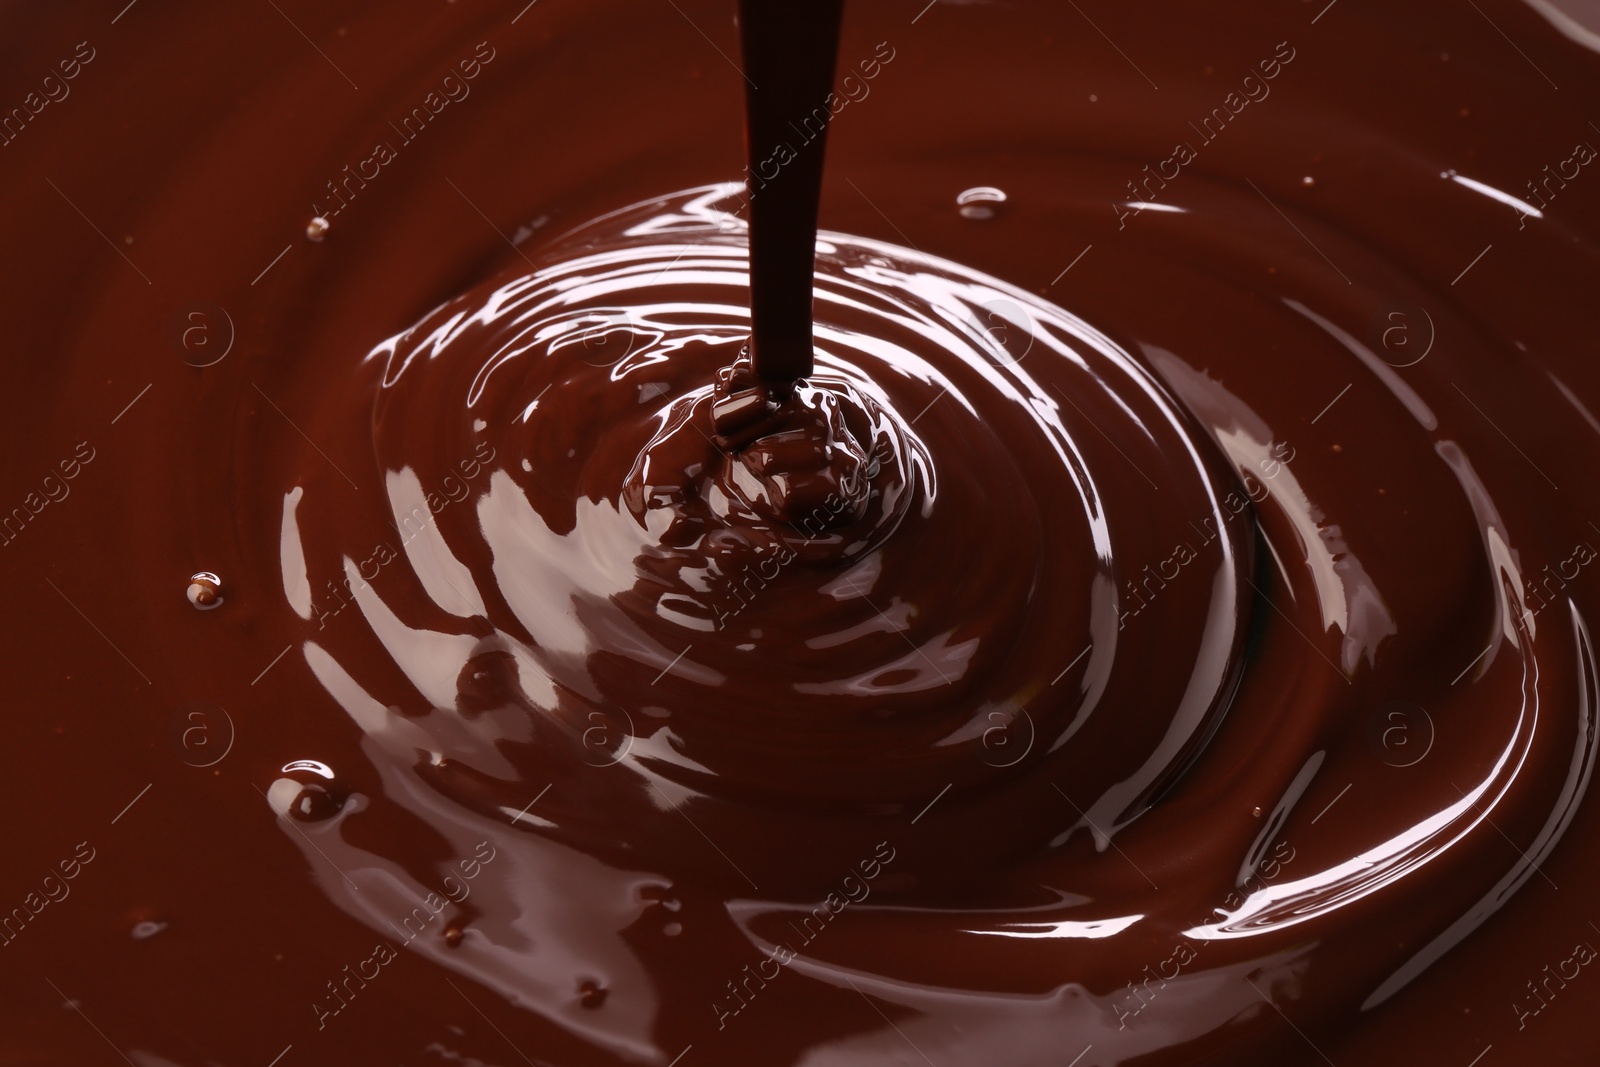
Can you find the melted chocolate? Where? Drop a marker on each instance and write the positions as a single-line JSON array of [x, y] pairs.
[[1155, 632], [788, 52]]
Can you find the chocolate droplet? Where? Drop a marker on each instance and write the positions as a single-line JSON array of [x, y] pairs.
[[310, 792], [981, 202], [315, 803], [205, 590]]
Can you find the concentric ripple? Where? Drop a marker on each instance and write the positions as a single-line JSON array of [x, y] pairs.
[[606, 591], [994, 649], [1175, 652]]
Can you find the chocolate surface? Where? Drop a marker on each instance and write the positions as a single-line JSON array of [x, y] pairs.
[[1156, 633], [787, 53]]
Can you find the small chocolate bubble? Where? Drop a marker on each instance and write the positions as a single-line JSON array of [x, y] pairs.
[[317, 228], [453, 935], [309, 792], [314, 803], [591, 994], [309, 766], [981, 202], [205, 590]]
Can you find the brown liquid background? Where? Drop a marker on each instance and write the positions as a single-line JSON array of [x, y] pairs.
[[204, 135]]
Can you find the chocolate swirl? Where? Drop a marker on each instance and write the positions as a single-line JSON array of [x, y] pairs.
[[1157, 633], [735, 606], [788, 673]]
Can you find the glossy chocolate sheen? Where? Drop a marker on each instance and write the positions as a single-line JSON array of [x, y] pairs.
[[787, 53], [1156, 633]]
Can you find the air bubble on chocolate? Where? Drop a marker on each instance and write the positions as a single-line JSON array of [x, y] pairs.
[[205, 590], [317, 228], [314, 803], [453, 935], [316, 767], [591, 994], [309, 792], [981, 202], [680, 559], [143, 931]]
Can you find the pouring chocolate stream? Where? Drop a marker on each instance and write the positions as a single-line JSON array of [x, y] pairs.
[[788, 52]]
